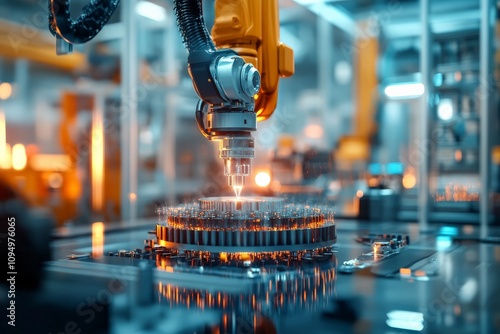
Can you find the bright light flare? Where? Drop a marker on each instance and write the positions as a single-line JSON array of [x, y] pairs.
[[151, 11], [409, 181], [262, 179], [19, 158], [97, 240], [3, 140], [6, 161], [314, 131], [5, 90], [404, 91], [97, 155], [408, 320], [445, 109]]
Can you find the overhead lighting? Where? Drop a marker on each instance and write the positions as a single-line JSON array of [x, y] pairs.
[[19, 158], [407, 320], [404, 324], [5, 90], [404, 90], [263, 179], [333, 14], [445, 109], [151, 11]]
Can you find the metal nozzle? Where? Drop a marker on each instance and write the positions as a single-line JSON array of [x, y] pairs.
[[237, 153]]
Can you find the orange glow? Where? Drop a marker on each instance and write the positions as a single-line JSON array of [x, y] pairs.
[[405, 272], [97, 240], [169, 269], [6, 162], [97, 161], [5, 90], [245, 256], [50, 162], [223, 256], [3, 141], [132, 196], [420, 273], [359, 193], [314, 131], [458, 155], [55, 180], [19, 158], [262, 179], [409, 181]]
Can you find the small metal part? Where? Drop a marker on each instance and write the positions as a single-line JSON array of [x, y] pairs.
[[235, 79], [63, 47], [237, 153]]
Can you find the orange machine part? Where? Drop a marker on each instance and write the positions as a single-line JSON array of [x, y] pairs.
[[251, 28]]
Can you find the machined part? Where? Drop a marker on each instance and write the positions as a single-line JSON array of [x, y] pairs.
[[236, 147], [235, 79], [247, 240], [237, 152], [253, 224], [218, 121]]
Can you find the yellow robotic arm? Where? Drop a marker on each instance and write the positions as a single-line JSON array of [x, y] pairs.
[[251, 28], [235, 73], [236, 77]]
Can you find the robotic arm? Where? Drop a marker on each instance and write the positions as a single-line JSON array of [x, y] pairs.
[[233, 94], [236, 77]]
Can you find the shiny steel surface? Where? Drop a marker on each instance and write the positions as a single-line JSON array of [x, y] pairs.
[[460, 295]]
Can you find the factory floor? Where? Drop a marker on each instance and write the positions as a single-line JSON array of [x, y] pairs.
[[446, 280]]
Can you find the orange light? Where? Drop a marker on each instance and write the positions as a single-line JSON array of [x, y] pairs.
[[132, 196], [6, 163], [5, 90], [409, 181], [97, 240], [420, 273], [262, 179], [223, 256], [19, 158], [50, 162], [245, 257], [3, 141], [55, 180], [405, 272], [314, 131], [359, 193], [97, 161], [458, 155]]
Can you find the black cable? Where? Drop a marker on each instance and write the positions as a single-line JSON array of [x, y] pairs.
[[192, 27], [93, 18]]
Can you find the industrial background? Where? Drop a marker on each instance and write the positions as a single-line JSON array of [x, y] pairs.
[[350, 181]]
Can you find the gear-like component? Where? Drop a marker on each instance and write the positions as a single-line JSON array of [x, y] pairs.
[[245, 224]]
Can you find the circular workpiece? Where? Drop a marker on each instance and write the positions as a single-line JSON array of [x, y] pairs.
[[245, 224]]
